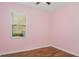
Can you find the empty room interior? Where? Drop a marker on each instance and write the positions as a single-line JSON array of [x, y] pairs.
[[39, 29]]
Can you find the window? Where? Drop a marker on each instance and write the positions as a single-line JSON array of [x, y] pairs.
[[18, 25]]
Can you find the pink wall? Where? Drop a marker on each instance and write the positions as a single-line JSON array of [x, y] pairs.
[[59, 28], [65, 28], [38, 28]]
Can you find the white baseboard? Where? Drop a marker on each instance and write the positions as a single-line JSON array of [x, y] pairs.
[[10, 52], [65, 50]]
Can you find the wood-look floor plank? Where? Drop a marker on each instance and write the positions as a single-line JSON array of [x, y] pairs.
[[42, 52]]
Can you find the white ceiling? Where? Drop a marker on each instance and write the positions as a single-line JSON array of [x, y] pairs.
[[44, 6]]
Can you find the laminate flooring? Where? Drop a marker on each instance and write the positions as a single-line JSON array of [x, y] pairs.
[[41, 52]]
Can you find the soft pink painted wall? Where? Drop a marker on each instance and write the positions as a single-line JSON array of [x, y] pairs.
[[38, 28], [63, 32], [65, 28]]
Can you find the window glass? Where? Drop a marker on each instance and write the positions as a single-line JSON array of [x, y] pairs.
[[18, 25]]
